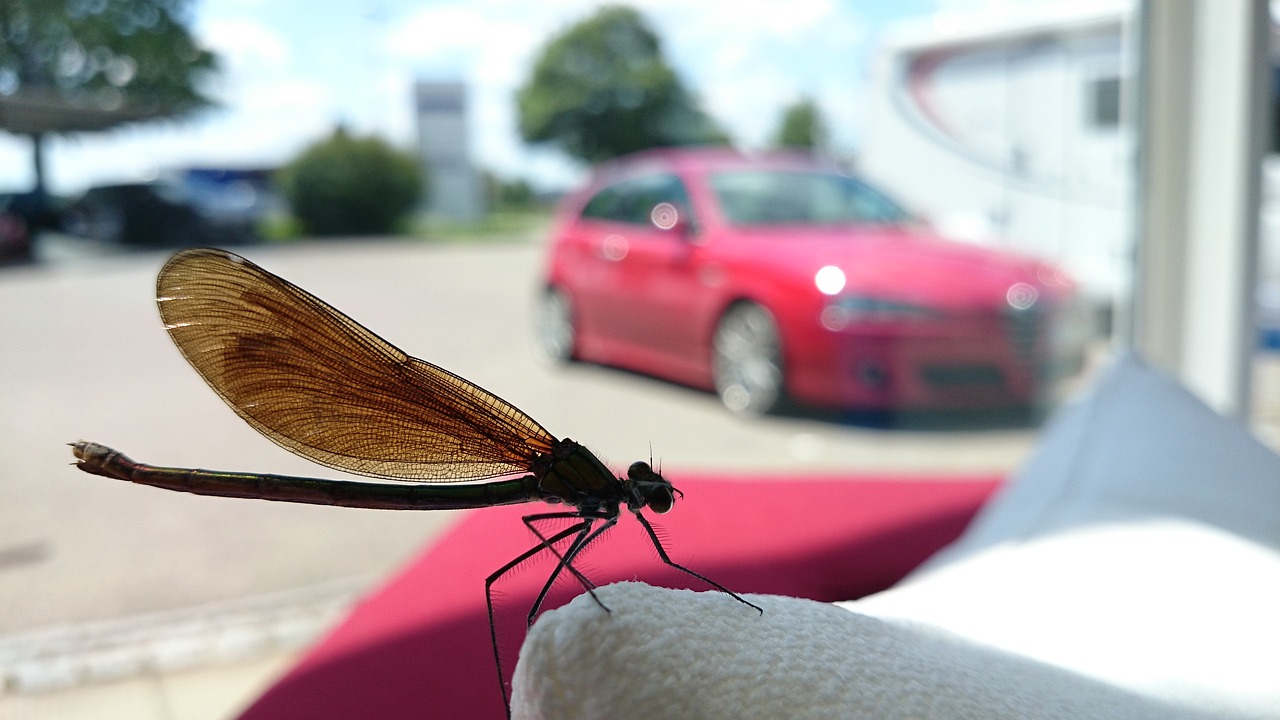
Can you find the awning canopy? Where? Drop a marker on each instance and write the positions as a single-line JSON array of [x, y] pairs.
[[39, 112]]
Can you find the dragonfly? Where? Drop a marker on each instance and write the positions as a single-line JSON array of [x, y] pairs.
[[324, 387]]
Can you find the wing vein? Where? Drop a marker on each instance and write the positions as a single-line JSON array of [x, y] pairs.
[[323, 386]]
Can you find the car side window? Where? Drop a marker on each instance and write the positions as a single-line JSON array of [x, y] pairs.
[[772, 197], [606, 205], [631, 201], [870, 206]]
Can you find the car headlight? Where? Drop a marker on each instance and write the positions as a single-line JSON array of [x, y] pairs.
[[829, 279], [849, 309]]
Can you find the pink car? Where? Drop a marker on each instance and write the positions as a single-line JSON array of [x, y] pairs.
[[779, 277]]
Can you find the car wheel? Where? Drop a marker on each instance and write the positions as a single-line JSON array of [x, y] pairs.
[[553, 330], [747, 360]]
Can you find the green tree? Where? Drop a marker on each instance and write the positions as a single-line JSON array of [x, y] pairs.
[[92, 64], [802, 127], [602, 89], [346, 185], [505, 194]]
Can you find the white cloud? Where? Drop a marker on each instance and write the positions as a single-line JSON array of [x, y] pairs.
[[16, 159], [490, 46], [436, 32], [244, 44], [287, 79], [792, 21], [745, 60], [749, 60], [259, 77]]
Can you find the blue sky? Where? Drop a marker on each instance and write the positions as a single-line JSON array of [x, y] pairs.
[[295, 68]]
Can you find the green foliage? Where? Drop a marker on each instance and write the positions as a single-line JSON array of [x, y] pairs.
[[122, 53], [802, 127], [602, 89], [525, 225], [346, 185], [506, 194]]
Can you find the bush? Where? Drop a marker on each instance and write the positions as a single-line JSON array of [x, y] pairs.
[[347, 185], [505, 194]]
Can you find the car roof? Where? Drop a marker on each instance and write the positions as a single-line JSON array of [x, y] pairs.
[[709, 159]]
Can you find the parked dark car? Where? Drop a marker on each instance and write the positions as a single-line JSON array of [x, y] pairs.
[[161, 213], [780, 276]]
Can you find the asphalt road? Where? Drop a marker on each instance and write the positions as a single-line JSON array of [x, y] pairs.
[[84, 356]]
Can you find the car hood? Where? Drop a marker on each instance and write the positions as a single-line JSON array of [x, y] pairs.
[[901, 264]]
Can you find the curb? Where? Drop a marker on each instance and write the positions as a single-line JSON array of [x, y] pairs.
[[62, 657]]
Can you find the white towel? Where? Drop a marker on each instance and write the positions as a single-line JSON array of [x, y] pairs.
[[1131, 570], [679, 654]]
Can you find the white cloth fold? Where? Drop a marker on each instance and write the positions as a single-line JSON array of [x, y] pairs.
[[1131, 570], [677, 654]]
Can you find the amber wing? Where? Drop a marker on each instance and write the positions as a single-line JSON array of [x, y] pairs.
[[321, 385]]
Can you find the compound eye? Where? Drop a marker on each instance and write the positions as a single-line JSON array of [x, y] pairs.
[[640, 470], [661, 500]]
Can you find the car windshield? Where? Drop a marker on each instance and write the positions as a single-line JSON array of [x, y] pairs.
[[776, 197]]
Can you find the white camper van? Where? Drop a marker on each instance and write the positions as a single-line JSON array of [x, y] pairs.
[[1010, 127], [1010, 130]]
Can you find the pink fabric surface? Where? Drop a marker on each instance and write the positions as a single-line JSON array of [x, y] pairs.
[[418, 647]]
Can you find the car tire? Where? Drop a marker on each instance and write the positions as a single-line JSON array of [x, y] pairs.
[[554, 334], [747, 360]]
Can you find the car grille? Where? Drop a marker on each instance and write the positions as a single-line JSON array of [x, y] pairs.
[[976, 375], [1023, 328]]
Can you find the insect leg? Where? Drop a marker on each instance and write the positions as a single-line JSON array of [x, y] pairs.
[[662, 553], [584, 538], [577, 528]]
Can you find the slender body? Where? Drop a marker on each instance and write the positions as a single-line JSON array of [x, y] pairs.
[[102, 460], [323, 386], [569, 474]]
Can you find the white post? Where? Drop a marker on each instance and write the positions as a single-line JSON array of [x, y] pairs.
[[1203, 125]]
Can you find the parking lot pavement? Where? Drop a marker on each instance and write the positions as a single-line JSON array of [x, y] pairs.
[[130, 600]]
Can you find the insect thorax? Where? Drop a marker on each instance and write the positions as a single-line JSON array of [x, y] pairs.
[[575, 476]]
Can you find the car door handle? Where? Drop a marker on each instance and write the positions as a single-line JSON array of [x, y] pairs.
[[613, 248]]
